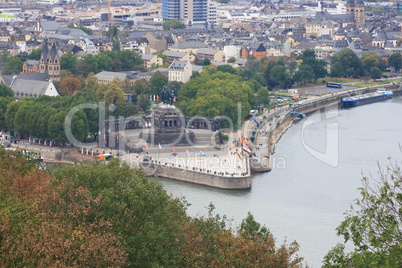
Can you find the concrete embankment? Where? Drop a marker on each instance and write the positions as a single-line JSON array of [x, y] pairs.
[[277, 133], [202, 178]]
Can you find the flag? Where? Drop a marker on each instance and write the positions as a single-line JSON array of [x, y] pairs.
[[202, 154], [245, 148], [239, 156], [243, 140], [245, 153], [258, 124], [146, 145], [187, 151], [160, 146]]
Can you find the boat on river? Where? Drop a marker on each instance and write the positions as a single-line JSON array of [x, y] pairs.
[[379, 95]]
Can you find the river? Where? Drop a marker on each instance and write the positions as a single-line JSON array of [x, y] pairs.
[[304, 197]]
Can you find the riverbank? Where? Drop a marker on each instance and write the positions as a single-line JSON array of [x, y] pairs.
[[277, 133], [311, 106]]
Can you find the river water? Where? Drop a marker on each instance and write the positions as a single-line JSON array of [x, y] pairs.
[[305, 195]]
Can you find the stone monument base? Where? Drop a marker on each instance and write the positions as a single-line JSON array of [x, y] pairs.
[[173, 138]]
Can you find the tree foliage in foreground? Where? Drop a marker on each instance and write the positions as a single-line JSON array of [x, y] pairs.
[[374, 226], [108, 215]]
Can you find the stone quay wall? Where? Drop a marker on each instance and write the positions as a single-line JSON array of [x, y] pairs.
[[197, 177]]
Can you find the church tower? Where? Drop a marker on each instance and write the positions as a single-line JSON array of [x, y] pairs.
[[356, 7], [49, 61]]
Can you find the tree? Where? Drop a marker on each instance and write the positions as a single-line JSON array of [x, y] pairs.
[[226, 69], [13, 66], [395, 61], [138, 207], [318, 66], [129, 59], [87, 65], [114, 95], [175, 24], [374, 226], [140, 86], [304, 74], [280, 75], [375, 73], [232, 60], [143, 102], [345, 63], [69, 62], [46, 221], [79, 126], [370, 60], [6, 91], [35, 54], [4, 102], [125, 109], [56, 127], [91, 83], [70, 86], [205, 62], [156, 83], [215, 94]]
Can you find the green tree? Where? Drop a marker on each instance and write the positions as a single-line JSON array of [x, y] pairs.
[[215, 94], [370, 60], [91, 83], [130, 59], [4, 102], [156, 83], [304, 74], [395, 61], [226, 69], [79, 126], [232, 60], [35, 54], [138, 207], [345, 63], [205, 62], [140, 86], [114, 95], [56, 127], [263, 96], [175, 24], [280, 75], [69, 62], [23, 117], [43, 123], [375, 73], [6, 91], [143, 102], [373, 225], [125, 109], [13, 66], [318, 66], [88, 64]]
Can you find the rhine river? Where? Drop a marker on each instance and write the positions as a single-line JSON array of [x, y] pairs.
[[303, 198]]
